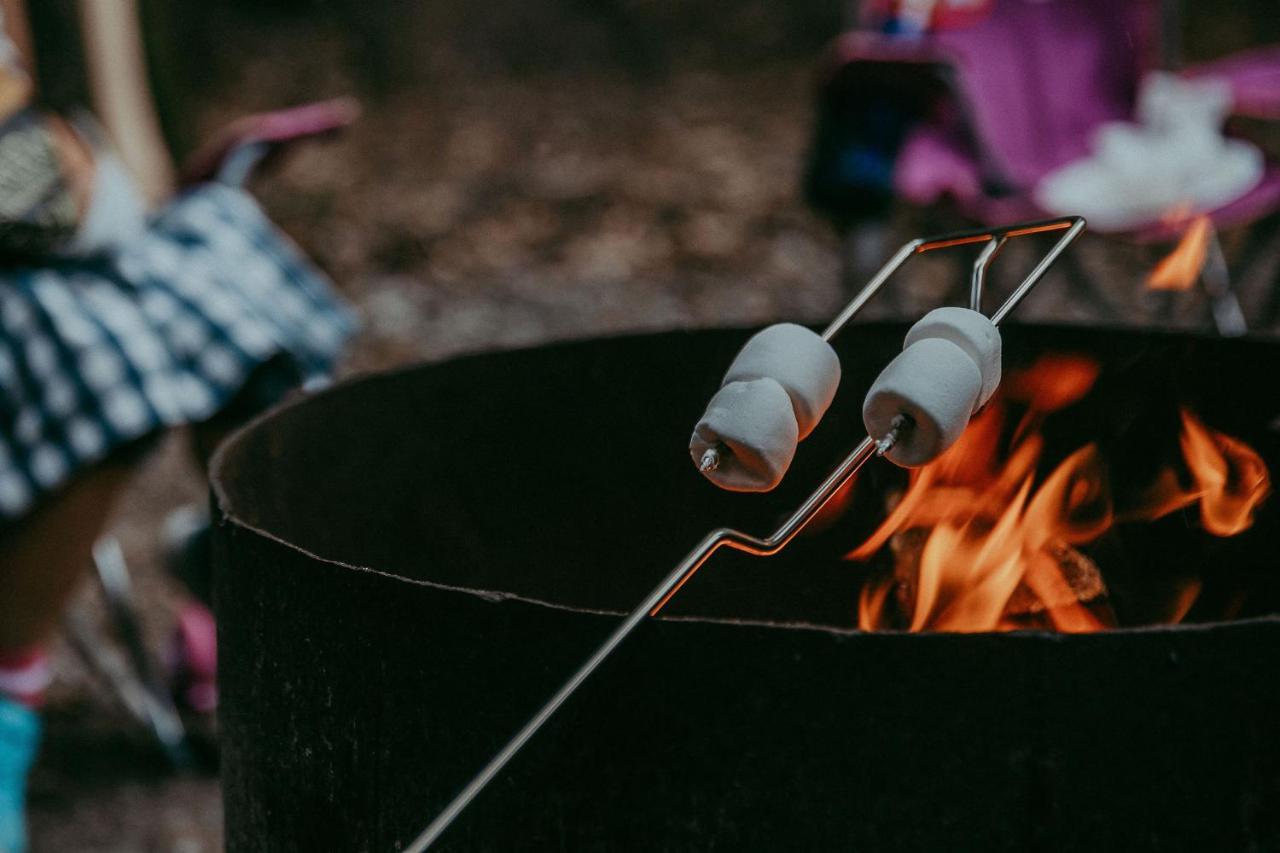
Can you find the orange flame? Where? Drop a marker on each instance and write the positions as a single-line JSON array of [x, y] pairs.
[[1181, 267], [1228, 479], [1055, 381], [979, 546]]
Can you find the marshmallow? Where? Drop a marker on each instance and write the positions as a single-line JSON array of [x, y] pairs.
[[948, 369], [970, 330], [755, 420], [747, 421], [937, 385], [800, 361]]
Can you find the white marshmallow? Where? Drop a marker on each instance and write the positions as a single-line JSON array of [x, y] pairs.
[[937, 385], [972, 332], [756, 421], [800, 361]]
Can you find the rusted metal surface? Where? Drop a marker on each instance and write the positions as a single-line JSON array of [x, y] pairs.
[[510, 505]]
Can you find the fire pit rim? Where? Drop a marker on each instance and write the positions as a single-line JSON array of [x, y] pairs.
[[222, 501], [502, 597]]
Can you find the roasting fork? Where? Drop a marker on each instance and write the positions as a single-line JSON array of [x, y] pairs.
[[992, 241]]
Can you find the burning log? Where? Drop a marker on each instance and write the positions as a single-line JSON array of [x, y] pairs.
[[1025, 609], [1084, 585]]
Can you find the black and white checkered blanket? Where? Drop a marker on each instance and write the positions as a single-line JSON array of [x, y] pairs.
[[95, 354]]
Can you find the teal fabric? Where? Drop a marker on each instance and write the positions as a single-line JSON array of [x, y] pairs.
[[19, 739]]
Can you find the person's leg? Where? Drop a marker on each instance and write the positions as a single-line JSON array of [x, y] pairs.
[[122, 98], [42, 558]]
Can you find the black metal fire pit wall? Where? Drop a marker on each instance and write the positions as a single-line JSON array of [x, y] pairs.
[[410, 564]]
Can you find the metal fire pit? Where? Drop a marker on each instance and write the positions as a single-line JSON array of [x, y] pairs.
[[411, 563]]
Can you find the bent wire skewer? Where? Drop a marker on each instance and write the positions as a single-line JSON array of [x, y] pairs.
[[723, 537]]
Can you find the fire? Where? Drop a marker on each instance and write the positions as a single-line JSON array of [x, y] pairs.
[[1227, 477], [1181, 267], [980, 542], [1054, 382]]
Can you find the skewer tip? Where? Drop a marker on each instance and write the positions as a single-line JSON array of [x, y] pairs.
[[884, 445]]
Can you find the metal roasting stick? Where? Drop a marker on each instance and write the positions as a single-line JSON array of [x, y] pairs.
[[724, 537], [1223, 302], [133, 677]]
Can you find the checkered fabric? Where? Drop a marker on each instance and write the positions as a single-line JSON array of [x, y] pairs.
[[97, 353]]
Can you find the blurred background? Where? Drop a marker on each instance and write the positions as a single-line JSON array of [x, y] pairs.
[[524, 170]]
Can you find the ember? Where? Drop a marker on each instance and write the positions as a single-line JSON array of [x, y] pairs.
[[980, 543]]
